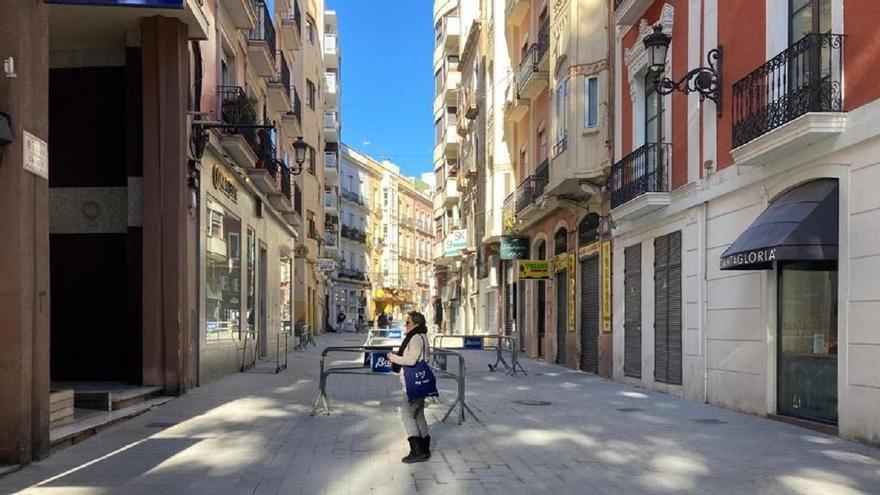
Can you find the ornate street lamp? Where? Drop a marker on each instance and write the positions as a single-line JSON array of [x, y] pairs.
[[299, 151], [704, 80]]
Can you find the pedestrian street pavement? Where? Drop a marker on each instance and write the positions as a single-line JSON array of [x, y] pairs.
[[572, 433]]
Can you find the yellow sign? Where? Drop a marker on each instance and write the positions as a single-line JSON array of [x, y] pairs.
[[533, 269], [561, 262], [572, 292], [588, 250], [605, 276]]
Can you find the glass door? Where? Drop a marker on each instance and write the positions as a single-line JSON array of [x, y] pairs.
[[807, 349]]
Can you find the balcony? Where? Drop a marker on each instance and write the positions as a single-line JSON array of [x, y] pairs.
[[352, 274], [280, 198], [638, 183], [529, 190], [450, 193], [531, 80], [294, 216], [331, 90], [331, 203], [354, 234], [261, 42], [791, 102], [291, 27], [241, 13], [242, 144], [331, 51], [628, 12], [451, 142], [330, 245], [544, 47], [515, 106], [265, 173], [278, 89], [353, 197], [452, 87], [331, 168], [451, 34], [331, 127], [292, 120], [515, 11]]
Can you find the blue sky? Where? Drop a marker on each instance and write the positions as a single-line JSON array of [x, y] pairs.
[[387, 82]]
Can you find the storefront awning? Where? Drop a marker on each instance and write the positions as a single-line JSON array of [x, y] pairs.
[[800, 225]]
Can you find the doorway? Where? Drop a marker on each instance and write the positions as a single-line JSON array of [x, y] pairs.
[[262, 300], [561, 314], [590, 315], [807, 336]]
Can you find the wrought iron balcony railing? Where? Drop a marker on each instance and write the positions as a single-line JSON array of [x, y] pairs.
[[542, 177], [532, 187], [529, 65], [297, 106], [236, 107], [297, 199], [351, 273], [265, 30], [642, 171], [804, 78], [284, 177], [283, 76], [295, 16], [543, 40], [353, 197]]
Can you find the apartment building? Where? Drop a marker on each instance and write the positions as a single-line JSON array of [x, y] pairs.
[[360, 214], [742, 195], [404, 282], [317, 72], [557, 116], [161, 216]]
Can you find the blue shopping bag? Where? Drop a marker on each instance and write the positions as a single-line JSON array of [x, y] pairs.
[[420, 381]]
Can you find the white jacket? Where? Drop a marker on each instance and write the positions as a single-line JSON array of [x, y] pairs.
[[412, 354]]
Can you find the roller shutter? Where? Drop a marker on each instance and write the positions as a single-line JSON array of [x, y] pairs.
[[667, 309], [561, 314], [590, 315], [632, 311]]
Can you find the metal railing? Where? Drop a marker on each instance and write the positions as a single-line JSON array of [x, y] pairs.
[[284, 178], [560, 146], [283, 76], [295, 16], [642, 171], [524, 193], [238, 108], [354, 234], [353, 197], [499, 346], [305, 336], [528, 66], [543, 40], [322, 402], [265, 30], [617, 3], [352, 274], [804, 78]]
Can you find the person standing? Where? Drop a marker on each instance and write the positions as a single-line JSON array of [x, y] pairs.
[[414, 348]]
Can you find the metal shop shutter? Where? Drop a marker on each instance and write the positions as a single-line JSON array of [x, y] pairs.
[[561, 314], [509, 309], [521, 314], [667, 308], [590, 315], [632, 311]]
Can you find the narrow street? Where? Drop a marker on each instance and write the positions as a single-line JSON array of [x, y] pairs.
[[252, 433]]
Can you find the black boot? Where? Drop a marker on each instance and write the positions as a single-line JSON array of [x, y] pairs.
[[414, 449], [426, 442]]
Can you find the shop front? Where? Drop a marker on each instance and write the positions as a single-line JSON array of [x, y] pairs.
[[246, 272], [796, 240]]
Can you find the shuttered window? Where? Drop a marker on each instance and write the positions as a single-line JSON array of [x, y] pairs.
[[632, 311], [667, 308], [590, 315]]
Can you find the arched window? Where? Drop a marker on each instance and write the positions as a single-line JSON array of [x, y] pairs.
[[588, 229], [560, 241], [542, 250]]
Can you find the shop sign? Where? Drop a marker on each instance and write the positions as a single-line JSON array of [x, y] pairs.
[[572, 292], [533, 269], [605, 277], [455, 242], [36, 155], [561, 262], [164, 4], [766, 255], [588, 250], [224, 184], [326, 264], [473, 342], [514, 248]]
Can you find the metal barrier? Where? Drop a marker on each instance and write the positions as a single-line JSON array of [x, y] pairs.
[[324, 402], [306, 337], [499, 348], [278, 365]]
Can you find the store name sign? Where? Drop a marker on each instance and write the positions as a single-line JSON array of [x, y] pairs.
[[514, 248], [455, 242], [767, 255], [533, 269], [326, 264], [35, 155], [224, 184]]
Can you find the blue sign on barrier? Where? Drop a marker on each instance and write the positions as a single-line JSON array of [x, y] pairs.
[[380, 363], [473, 342], [394, 334]]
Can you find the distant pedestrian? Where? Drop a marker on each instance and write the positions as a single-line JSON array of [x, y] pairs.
[[414, 348], [382, 320]]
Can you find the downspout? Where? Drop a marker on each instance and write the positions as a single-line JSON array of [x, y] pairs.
[[704, 296]]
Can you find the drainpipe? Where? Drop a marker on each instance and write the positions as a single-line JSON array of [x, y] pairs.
[[704, 296]]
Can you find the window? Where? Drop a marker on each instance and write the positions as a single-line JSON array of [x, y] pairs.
[[438, 81], [310, 94], [310, 30], [561, 111], [313, 229], [438, 131], [223, 274], [653, 110], [807, 17], [251, 278], [591, 102], [313, 158], [438, 31]]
